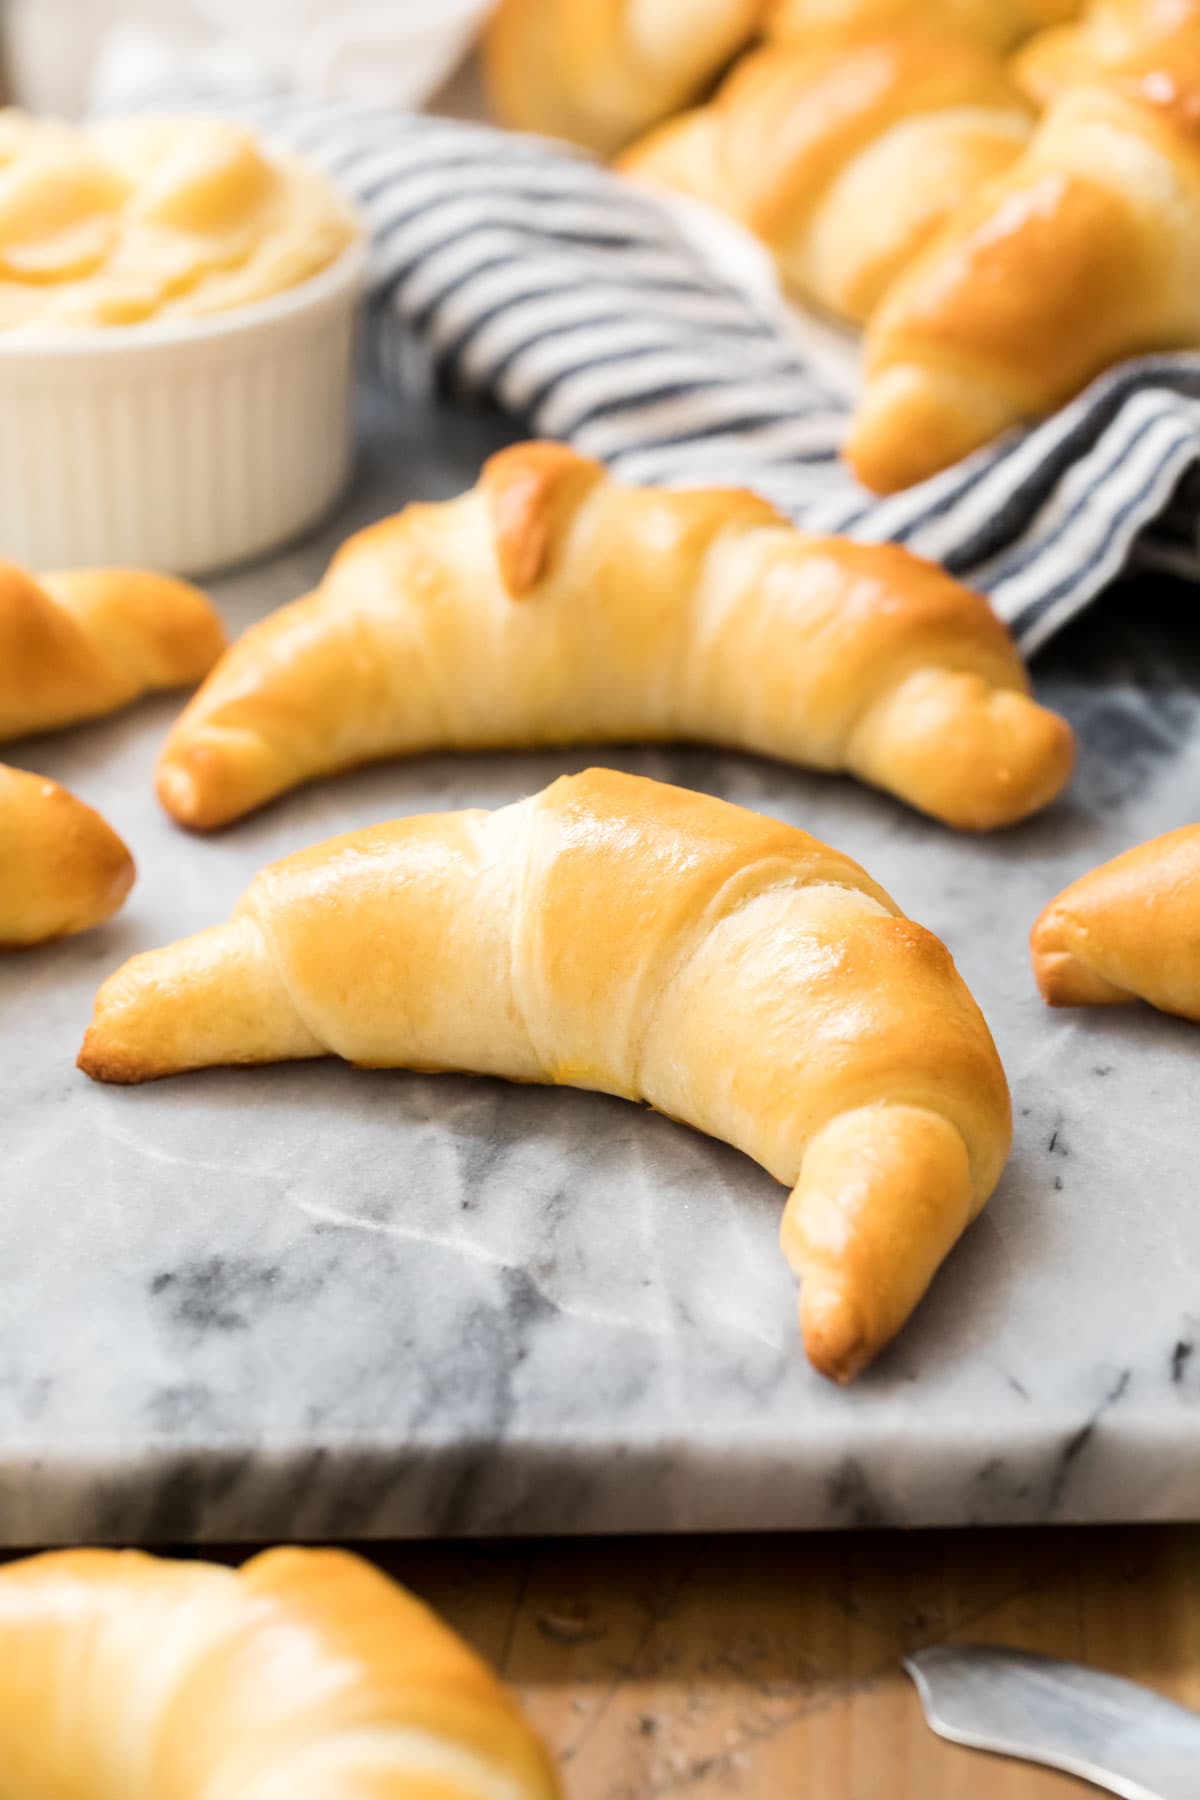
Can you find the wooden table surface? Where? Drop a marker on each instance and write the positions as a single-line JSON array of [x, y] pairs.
[[769, 1667]]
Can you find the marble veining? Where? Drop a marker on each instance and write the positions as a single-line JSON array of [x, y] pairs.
[[316, 1302]]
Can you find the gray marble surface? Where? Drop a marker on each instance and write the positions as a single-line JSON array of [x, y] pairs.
[[309, 1301]]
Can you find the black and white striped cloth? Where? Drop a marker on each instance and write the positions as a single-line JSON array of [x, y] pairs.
[[520, 272]]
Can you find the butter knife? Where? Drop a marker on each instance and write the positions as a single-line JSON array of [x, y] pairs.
[[1113, 1733]]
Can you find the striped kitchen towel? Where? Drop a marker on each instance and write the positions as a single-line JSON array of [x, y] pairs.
[[520, 272]]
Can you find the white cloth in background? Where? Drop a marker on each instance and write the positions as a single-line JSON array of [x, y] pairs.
[[397, 52]]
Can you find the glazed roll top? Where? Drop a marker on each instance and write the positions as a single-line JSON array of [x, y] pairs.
[[1085, 252], [551, 605], [613, 933]]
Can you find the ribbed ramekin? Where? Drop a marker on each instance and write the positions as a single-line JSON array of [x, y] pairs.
[[180, 445]]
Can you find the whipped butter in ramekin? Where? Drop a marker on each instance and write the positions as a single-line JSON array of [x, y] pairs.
[[176, 342]]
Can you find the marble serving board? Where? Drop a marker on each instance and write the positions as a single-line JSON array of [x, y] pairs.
[[315, 1302]]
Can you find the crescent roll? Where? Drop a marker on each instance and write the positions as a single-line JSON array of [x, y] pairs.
[[845, 159], [304, 1675], [1086, 252], [82, 643], [1111, 32], [552, 606], [62, 868], [616, 934], [600, 71], [998, 24], [1128, 931]]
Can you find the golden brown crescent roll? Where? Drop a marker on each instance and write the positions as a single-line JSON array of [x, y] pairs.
[[1111, 32], [1081, 255], [85, 642], [845, 158], [600, 71], [551, 606], [999, 24], [1128, 931], [613, 933], [62, 868], [304, 1675]]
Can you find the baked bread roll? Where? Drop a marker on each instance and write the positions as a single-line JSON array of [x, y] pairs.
[[1111, 33], [1128, 931], [845, 159], [1086, 252], [600, 71], [616, 934], [85, 642], [551, 606], [62, 868], [998, 24], [304, 1675]]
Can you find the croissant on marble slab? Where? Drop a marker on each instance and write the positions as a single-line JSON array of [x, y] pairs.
[[551, 605], [83, 642], [617, 934], [63, 868], [1129, 930]]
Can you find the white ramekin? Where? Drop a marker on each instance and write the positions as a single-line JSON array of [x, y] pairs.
[[183, 445]]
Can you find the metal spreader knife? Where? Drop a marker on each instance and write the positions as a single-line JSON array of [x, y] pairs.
[[1113, 1733]]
